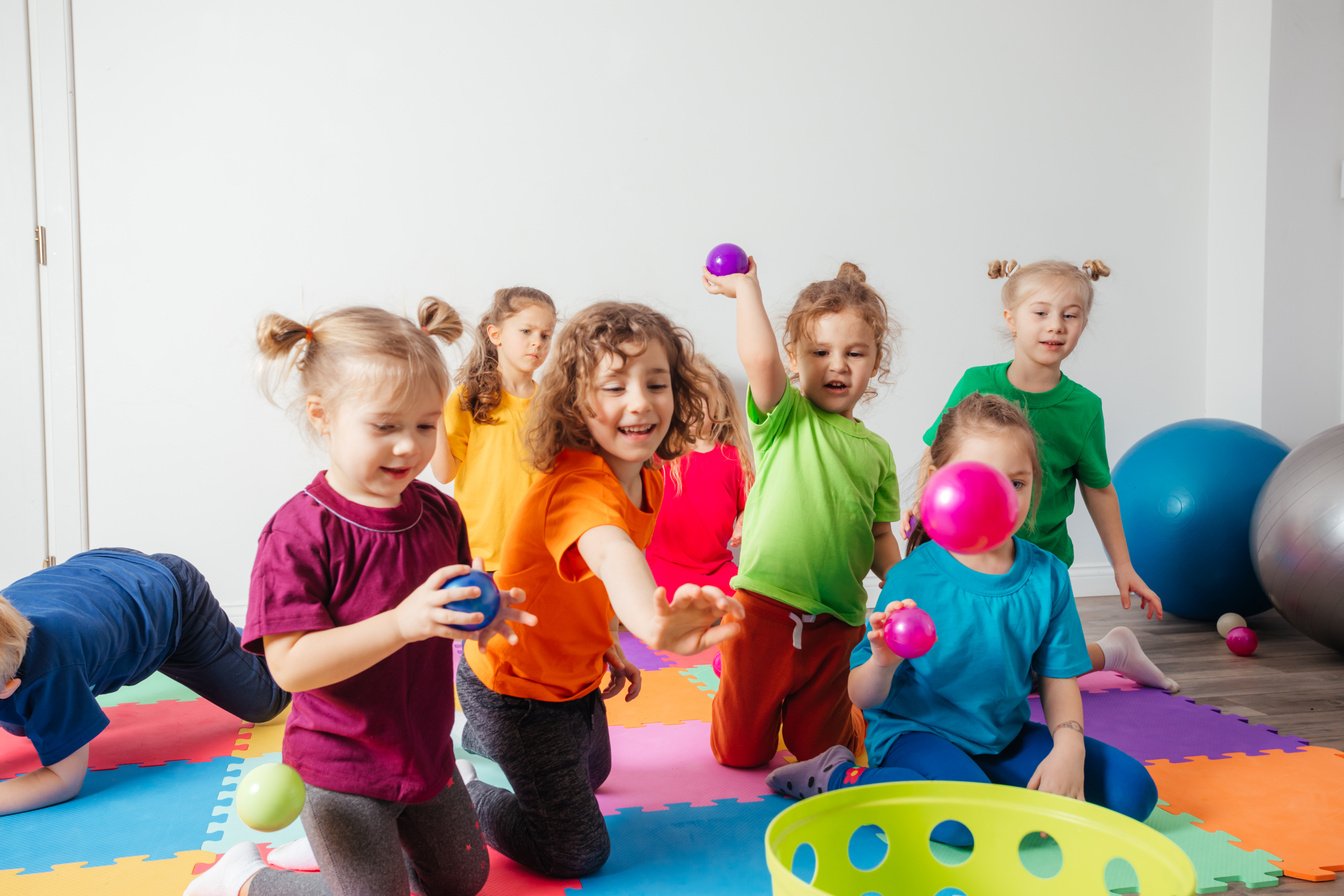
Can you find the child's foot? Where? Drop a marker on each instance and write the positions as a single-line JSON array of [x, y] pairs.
[[1124, 655], [227, 876], [810, 776], [296, 855], [467, 771]]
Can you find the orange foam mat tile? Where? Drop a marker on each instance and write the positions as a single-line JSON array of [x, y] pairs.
[[666, 697], [134, 876], [1289, 804]]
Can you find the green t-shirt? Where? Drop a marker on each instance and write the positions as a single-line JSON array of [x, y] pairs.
[[1072, 439], [822, 482]]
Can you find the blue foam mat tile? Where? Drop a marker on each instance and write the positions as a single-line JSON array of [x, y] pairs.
[[708, 850], [153, 811]]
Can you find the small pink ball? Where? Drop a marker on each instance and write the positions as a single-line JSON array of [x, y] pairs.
[[1242, 641], [718, 664], [909, 632]]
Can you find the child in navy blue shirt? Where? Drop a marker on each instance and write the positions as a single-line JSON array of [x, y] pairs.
[[96, 622]]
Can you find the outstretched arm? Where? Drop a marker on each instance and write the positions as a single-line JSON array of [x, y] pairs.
[[756, 346], [687, 625], [1103, 504], [47, 786]]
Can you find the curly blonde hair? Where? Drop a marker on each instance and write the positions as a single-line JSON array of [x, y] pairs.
[[561, 407], [847, 291]]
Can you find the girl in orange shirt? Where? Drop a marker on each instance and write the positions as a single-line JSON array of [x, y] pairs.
[[621, 389]]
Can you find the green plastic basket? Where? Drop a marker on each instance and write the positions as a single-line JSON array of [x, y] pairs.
[[885, 829]]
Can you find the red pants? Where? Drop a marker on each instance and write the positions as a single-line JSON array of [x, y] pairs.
[[786, 669]]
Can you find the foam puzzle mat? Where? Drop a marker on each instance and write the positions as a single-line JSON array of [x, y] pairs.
[[157, 804]]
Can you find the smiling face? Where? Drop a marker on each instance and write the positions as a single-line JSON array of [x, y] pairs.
[[378, 441], [1046, 325], [835, 361], [632, 407], [523, 339]]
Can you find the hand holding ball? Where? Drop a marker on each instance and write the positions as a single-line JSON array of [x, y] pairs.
[[727, 258], [270, 797], [968, 507], [487, 603], [909, 632]]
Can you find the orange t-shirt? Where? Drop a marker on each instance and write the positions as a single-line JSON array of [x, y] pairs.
[[560, 658]]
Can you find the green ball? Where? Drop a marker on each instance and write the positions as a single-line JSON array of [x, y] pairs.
[[270, 797]]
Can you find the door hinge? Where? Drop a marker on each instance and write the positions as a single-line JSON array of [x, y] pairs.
[[40, 236], [49, 563]]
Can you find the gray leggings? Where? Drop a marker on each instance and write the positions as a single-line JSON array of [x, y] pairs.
[[364, 846], [554, 755]]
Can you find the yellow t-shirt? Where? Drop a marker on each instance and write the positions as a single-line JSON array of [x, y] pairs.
[[492, 475]]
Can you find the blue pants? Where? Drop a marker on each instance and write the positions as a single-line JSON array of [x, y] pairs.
[[209, 657], [1111, 778]]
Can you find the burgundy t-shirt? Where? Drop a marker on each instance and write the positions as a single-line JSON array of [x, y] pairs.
[[324, 561]]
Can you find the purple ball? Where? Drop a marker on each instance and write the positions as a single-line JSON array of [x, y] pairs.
[[909, 632], [1242, 641], [486, 603], [727, 258]]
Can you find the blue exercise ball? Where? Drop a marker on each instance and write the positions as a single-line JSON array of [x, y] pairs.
[[1187, 493]]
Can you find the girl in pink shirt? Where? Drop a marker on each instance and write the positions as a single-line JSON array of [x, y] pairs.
[[703, 498]]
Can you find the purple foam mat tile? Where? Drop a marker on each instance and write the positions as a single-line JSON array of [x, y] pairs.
[[641, 655], [1150, 724]]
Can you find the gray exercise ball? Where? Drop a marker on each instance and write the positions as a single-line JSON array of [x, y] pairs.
[[1297, 538]]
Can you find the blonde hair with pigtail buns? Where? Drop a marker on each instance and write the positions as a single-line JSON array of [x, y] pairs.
[[1025, 280], [344, 352]]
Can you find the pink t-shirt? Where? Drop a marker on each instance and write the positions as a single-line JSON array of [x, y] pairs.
[[690, 537], [323, 561]]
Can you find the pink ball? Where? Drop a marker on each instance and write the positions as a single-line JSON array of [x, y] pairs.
[[969, 507], [1242, 641], [718, 664], [909, 632]]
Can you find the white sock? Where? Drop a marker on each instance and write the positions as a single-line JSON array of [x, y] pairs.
[[296, 855], [227, 876], [466, 770], [1124, 655]]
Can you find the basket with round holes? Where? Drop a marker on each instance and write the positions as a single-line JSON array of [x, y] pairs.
[[875, 839]]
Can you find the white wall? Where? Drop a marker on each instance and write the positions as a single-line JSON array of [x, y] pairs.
[[1304, 232], [294, 157]]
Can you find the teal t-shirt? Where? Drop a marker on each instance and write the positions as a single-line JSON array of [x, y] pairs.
[[822, 481], [1071, 435], [993, 632]]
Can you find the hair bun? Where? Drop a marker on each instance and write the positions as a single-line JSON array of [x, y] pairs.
[[1095, 268], [851, 273], [1002, 267]]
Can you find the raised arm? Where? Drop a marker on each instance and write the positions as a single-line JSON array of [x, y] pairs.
[[47, 786], [687, 625], [756, 345]]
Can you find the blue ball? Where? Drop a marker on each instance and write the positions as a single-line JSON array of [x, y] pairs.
[[1187, 493], [486, 603]]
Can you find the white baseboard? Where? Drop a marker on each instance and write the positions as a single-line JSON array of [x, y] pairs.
[[1092, 580]]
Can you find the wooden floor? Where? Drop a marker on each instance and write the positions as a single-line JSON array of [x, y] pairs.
[[1291, 683]]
